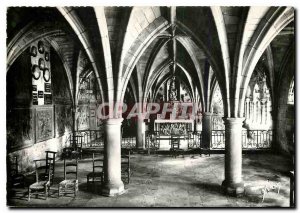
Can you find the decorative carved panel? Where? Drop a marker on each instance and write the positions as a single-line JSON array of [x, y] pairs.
[[82, 118], [63, 119], [44, 123], [174, 128]]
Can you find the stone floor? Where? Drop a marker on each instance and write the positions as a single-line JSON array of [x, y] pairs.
[[163, 181]]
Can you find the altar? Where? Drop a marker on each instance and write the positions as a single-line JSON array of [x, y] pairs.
[[166, 129]]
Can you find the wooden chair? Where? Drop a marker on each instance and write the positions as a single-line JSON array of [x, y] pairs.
[[77, 147], [69, 185], [97, 172], [153, 142], [73, 147], [125, 164], [175, 146], [194, 141], [50, 164], [15, 179], [42, 183]]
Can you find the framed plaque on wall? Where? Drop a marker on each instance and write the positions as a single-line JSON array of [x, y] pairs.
[[44, 123]]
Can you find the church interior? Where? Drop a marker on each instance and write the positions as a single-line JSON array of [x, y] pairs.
[[218, 83]]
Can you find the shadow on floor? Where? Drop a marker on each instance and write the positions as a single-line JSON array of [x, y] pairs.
[[208, 187]]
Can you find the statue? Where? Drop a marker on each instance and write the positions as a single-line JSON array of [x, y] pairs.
[[172, 90]]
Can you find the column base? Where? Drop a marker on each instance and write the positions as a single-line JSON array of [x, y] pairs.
[[111, 190], [233, 189], [141, 150]]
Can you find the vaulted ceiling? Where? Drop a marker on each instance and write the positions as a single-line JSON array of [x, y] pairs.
[[139, 47]]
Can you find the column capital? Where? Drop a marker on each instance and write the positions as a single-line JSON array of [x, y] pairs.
[[232, 121], [207, 113], [113, 121]]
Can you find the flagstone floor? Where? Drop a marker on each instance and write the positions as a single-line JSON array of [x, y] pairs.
[[164, 181]]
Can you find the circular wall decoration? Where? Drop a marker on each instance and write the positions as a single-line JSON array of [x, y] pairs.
[[46, 75], [46, 56], [33, 51], [41, 64], [35, 72], [41, 47]]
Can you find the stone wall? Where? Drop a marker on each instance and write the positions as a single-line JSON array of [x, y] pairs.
[[33, 129], [88, 101], [285, 114], [26, 156]]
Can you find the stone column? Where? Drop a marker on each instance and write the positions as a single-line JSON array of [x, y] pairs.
[[206, 129], [113, 184], [267, 112], [247, 108], [263, 112], [258, 112], [195, 125], [233, 183], [254, 111], [165, 98], [251, 112], [74, 109], [140, 133]]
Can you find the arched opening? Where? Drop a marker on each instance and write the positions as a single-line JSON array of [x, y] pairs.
[[258, 125], [172, 101], [290, 117]]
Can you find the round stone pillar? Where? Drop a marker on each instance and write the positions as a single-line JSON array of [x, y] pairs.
[[233, 183], [140, 134], [113, 184], [206, 129]]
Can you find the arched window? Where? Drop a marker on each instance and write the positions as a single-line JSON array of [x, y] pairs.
[[217, 101], [258, 104]]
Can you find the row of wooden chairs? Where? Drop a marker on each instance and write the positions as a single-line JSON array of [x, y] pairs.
[[44, 173], [45, 170], [45, 179]]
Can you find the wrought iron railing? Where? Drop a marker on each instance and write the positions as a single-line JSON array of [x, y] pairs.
[[86, 138], [154, 138], [128, 142], [95, 138], [92, 138], [257, 139], [194, 139], [217, 139], [251, 139]]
